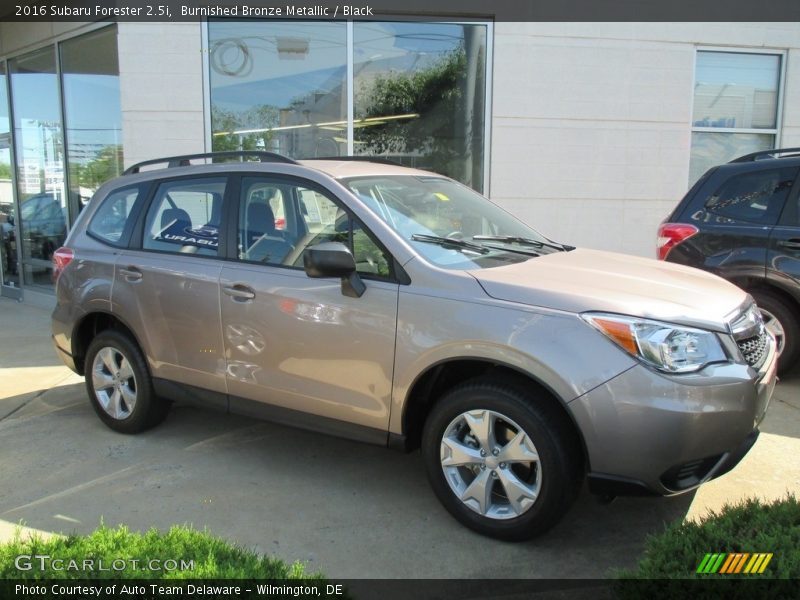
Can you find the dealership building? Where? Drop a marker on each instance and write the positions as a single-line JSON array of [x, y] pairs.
[[590, 132]]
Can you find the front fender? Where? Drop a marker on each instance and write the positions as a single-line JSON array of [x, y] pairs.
[[557, 349]]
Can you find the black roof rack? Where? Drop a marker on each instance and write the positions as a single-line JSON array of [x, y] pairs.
[[184, 160], [361, 158], [765, 154]]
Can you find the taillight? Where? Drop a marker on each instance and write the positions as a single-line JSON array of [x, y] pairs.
[[672, 234], [61, 258]]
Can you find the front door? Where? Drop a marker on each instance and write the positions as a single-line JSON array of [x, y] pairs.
[[296, 342]]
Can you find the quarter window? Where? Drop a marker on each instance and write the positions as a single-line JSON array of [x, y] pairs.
[[185, 217], [111, 218], [753, 197]]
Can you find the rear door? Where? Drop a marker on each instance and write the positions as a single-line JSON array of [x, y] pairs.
[[296, 342], [783, 257], [166, 286], [735, 217]]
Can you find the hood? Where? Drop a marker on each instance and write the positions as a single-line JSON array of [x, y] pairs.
[[591, 280]]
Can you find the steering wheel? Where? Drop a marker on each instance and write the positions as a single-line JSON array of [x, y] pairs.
[[456, 235]]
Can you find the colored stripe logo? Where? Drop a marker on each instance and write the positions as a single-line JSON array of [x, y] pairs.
[[735, 562]]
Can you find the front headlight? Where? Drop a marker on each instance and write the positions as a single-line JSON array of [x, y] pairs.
[[667, 347]]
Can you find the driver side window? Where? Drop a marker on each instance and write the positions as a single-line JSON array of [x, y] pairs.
[[278, 220]]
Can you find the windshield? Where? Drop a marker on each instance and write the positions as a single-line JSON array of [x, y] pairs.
[[422, 208]]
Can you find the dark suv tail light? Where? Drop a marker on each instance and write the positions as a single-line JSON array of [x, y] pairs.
[[672, 234], [61, 258]]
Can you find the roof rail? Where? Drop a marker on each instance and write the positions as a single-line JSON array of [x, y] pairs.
[[184, 160], [764, 154], [361, 158]]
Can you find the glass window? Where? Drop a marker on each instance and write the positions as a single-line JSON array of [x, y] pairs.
[[464, 230], [92, 113], [111, 220], [8, 242], [710, 149], [311, 218], [753, 197], [420, 93], [279, 87], [734, 91], [40, 162], [185, 217]]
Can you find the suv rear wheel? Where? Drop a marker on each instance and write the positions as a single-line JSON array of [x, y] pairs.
[[119, 384], [782, 321], [501, 463]]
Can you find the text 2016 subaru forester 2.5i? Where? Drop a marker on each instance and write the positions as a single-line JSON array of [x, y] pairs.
[[396, 306]]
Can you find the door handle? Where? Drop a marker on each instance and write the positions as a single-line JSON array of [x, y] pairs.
[[792, 244], [239, 292], [131, 273]]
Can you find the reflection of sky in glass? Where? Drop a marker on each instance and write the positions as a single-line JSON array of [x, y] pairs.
[[753, 70], [92, 110], [406, 46], [4, 124], [255, 63]]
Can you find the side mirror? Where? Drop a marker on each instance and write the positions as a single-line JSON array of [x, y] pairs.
[[334, 259]]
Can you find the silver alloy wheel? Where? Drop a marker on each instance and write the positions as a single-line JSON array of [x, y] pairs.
[[491, 464], [774, 326], [114, 382]]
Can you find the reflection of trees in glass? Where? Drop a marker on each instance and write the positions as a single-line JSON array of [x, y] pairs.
[[5, 171], [447, 109], [261, 116], [106, 165]]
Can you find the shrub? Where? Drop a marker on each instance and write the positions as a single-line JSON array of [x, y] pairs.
[[750, 526]]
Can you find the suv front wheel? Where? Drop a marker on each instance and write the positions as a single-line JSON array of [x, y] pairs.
[[499, 460], [119, 384]]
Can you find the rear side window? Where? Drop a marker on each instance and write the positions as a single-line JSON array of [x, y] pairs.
[[111, 221], [185, 217], [756, 197]]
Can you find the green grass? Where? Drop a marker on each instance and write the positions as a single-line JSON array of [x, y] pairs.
[[750, 526], [211, 557]]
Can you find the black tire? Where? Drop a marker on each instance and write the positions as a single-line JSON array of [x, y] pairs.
[[148, 410], [550, 432], [786, 315]]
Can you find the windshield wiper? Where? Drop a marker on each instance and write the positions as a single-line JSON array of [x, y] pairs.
[[451, 243], [513, 239]]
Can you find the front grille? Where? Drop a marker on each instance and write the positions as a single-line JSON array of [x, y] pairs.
[[754, 349]]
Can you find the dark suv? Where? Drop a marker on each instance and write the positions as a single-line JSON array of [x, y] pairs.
[[741, 221]]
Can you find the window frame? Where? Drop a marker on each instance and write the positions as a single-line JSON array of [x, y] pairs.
[[231, 214], [776, 131]]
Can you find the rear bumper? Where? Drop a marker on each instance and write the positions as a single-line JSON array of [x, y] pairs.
[[65, 356], [648, 433]]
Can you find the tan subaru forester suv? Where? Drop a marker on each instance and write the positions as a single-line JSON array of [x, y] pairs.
[[398, 307]]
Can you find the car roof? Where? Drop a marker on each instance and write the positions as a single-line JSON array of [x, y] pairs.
[[341, 169]]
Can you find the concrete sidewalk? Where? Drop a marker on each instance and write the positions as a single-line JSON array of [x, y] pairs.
[[348, 509]]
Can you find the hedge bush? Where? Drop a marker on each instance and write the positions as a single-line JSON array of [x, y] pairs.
[[750, 526]]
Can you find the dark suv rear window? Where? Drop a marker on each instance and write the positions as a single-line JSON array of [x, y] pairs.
[[755, 197]]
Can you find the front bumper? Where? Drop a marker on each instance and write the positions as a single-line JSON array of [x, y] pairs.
[[650, 433]]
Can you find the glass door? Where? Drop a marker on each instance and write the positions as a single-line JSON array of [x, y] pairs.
[[9, 272]]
